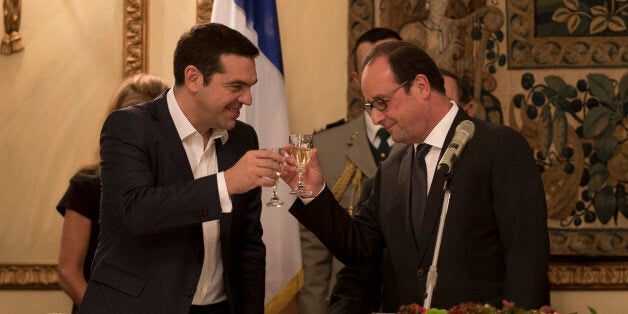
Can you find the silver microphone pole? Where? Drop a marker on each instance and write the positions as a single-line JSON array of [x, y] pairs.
[[432, 274]]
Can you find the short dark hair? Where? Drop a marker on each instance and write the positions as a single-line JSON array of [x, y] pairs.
[[373, 35], [407, 61], [204, 44]]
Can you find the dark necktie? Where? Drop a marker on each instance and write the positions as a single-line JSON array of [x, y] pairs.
[[383, 148], [418, 199]]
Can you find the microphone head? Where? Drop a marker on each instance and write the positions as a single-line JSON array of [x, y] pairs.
[[467, 127]]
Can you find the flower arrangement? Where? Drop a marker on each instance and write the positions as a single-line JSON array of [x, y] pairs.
[[475, 308]]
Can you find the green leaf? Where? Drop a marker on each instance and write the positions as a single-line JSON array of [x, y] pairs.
[[569, 91], [596, 121], [552, 94], [561, 15], [598, 25], [544, 131], [559, 130], [622, 204], [556, 83], [622, 91], [592, 310], [604, 203], [616, 24], [601, 87], [598, 175], [605, 144]]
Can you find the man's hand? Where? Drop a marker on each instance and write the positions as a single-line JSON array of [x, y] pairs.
[[255, 168], [312, 178]]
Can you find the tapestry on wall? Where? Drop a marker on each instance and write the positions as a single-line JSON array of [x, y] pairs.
[[12, 15], [567, 34], [578, 132], [463, 37], [577, 125]]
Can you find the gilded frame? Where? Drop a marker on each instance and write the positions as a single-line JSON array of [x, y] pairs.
[[526, 51], [40, 276]]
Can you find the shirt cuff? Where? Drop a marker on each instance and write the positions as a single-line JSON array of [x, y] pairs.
[[309, 199], [225, 200]]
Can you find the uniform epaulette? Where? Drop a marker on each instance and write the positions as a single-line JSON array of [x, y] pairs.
[[335, 123], [330, 125]]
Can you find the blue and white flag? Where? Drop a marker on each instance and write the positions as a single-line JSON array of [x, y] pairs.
[[257, 20]]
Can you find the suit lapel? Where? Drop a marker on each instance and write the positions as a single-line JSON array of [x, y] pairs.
[[404, 179], [435, 196], [165, 127]]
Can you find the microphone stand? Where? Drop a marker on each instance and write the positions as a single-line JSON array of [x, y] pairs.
[[432, 274]]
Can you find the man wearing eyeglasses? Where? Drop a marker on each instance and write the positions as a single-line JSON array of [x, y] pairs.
[[495, 242]]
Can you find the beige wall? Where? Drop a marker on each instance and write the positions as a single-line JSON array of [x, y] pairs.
[[54, 95]]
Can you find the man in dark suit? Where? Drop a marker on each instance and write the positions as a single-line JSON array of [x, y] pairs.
[[180, 228], [495, 242]]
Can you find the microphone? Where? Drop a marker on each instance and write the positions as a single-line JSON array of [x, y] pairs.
[[464, 132]]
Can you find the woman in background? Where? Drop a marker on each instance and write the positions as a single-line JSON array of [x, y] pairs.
[[81, 203]]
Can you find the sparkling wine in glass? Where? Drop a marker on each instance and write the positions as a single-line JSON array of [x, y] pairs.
[[274, 200], [301, 150]]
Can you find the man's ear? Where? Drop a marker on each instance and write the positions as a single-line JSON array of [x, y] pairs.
[[468, 108], [356, 78], [423, 85], [193, 78]]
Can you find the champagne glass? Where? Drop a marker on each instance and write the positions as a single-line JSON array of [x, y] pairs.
[[301, 150], [274, 200]]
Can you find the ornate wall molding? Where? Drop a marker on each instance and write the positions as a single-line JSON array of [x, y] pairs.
[[28, 277], [135, 37], [204, 11], [528, 51]]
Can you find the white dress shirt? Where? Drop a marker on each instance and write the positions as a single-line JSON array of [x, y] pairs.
[[203, 162], [436, 139]]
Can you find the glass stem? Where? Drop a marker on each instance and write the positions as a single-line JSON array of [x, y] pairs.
[[300, 182]]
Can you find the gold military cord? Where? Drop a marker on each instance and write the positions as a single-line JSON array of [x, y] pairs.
[[351, 171]]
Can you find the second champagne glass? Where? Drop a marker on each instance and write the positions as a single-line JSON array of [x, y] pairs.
[[301, 150], [275, 201]]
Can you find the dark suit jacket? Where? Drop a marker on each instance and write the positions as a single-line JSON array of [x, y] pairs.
[[495, 243], [150, 251]]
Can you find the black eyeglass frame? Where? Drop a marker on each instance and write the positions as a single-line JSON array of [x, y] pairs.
[[380, 103]]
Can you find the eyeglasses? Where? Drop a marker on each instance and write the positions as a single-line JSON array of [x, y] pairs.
[[380, 103]]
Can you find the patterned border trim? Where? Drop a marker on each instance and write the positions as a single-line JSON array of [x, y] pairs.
[[29, 277], [563, 276], [135, 37], [527, 52], [592, 276], [589, 242]]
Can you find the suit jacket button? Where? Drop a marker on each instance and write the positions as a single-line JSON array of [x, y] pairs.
[[420, 272], [190, 293]]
